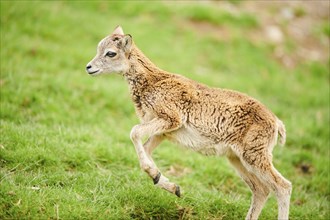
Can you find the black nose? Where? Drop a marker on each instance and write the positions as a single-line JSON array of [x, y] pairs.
[[88, 67]]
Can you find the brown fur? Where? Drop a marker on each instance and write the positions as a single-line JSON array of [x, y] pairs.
[[208, 120]]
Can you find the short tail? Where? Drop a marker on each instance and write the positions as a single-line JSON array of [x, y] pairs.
[[281, 132]]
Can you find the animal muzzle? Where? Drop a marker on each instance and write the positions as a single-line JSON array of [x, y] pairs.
[[90, 70]]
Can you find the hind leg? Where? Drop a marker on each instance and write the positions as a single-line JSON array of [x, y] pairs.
[[259, 190], [256, 156], [282, 188], [263, 168]]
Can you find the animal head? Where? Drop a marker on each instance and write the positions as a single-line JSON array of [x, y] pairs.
[[112, 54]]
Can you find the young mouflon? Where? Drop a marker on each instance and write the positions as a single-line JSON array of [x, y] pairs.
[[208, 120]]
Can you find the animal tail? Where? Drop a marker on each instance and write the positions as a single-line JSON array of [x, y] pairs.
[[281, 132]]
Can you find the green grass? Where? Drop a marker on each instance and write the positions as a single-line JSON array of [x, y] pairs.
[[209, 14], [65, 151]]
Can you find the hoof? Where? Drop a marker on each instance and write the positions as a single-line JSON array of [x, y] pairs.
[[157, 178], [177, 191]]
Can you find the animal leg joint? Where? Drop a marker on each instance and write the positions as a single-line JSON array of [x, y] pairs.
[[157, 178], [177, 191]]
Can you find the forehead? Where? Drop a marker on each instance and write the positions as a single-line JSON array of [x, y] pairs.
[[110, 41]]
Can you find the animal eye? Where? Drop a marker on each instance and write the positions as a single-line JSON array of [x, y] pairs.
[[110, 54]]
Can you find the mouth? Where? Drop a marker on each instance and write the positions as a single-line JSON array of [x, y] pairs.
[[91, 73]]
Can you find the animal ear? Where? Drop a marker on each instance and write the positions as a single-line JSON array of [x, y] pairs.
[[127, 43], [118, 30]]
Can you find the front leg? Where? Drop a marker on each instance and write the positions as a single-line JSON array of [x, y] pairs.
[[153, 129], [150, 145]]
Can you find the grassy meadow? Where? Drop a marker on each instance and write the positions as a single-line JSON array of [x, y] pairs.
[[65, 151]]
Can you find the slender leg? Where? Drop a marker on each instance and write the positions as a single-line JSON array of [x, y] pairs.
[[152, 143], [153, 129], [265, 171], [282, 188], [259, 190], [257, 158]]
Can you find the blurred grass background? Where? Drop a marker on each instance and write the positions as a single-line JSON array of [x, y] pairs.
[[65, 151]]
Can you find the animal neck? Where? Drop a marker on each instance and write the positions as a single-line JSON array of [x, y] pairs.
[[141, 68], [142, 74]]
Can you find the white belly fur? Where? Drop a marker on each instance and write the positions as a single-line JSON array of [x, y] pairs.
[[190, 138]]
